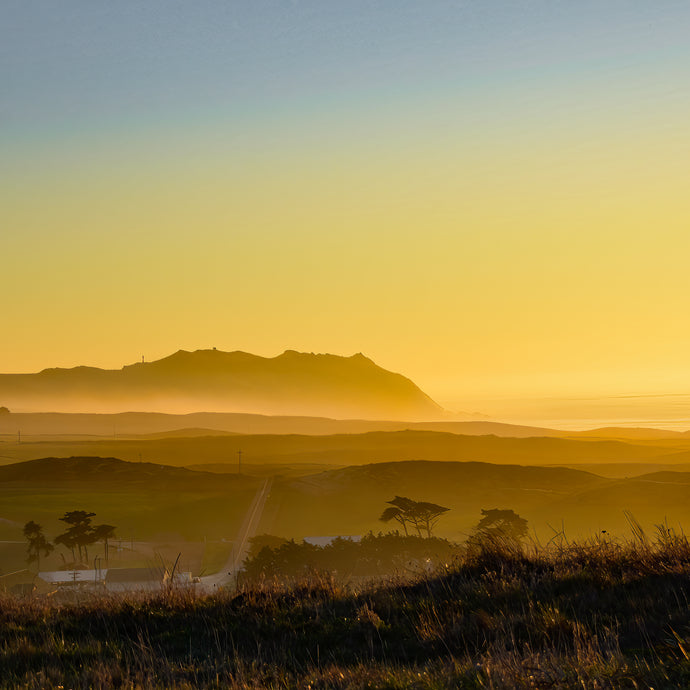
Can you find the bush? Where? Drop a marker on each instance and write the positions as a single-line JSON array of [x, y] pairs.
[[374, 556]]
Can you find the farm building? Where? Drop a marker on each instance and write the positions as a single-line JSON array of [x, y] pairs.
[[74, 578], [138, 579]]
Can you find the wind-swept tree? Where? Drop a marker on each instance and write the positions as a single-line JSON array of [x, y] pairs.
[[104, 533], [37, 544], [400, 511], [67, 540], [426, 515], [422, 515], [80, 533], [501, 525]]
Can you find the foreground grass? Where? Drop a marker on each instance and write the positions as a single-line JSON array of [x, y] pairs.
[[596, 615]]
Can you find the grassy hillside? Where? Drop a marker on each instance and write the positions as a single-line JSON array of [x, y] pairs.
[[350, 500], [652, 499], [125, 424], [625, 470], [310, 499], [349, 449], [144, 501], [599, 615], [148, 499], [91, 471], [633, 433]]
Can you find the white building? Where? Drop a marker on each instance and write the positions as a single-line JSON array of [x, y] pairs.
[[74, 578]]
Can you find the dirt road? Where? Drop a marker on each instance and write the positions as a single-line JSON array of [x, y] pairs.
[[226, 575]]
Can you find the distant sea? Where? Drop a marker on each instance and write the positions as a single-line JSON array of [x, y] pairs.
[[661, 411], [586, 424]]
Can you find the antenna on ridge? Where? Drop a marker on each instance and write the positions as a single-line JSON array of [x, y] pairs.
[[142, 359]]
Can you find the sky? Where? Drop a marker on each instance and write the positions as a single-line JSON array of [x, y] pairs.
[[489, 197]]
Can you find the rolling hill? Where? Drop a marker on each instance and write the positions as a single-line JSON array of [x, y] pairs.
[[148, 499], [350, 500], [141, 499], [347, 449], [128, 424], [99, 472]]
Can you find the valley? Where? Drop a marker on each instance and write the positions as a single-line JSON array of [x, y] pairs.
[[170, 491]]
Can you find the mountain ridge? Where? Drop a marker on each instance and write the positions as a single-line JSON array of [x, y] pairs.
[[294, 383]]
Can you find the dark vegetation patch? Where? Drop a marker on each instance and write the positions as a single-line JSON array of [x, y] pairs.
[[598, 614], [381, 555]]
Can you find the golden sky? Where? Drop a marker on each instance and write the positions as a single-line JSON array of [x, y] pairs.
[[493, 205]]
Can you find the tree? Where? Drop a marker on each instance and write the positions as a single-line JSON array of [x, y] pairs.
[[257, 543], [400, 511], [500, 526], [104, 533], [427, 515], [422, 515], [37, 543], [80, 533]]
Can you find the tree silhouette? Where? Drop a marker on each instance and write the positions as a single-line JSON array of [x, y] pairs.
[[104, 533], [400, 511], [501, 525], [37, 543], [427, 515], [80, 533], [258, 542], [422, 515]]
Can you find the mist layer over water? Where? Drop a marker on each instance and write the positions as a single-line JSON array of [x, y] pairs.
[[661, 411]]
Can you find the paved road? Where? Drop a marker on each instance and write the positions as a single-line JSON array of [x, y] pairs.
[[226, 575]]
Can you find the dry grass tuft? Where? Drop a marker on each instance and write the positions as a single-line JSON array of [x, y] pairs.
[[598, 614]]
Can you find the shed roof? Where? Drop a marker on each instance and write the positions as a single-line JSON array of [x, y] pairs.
[[66, 576], [135, 575]]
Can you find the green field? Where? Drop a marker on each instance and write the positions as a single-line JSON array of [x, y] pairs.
[[154, 507]]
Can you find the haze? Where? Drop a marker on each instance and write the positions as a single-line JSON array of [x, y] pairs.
[[344, 344], [490, 198]]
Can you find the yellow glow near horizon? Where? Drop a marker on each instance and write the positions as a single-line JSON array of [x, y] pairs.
[[519, 261]]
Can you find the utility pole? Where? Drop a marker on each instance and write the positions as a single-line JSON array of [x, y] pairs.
[[239, 462]]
